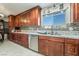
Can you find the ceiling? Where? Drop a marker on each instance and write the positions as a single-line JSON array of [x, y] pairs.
[[16, 8]]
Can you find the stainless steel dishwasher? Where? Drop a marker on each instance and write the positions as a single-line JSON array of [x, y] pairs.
[[33, 42]]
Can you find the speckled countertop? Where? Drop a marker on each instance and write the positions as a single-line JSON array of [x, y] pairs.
[[61, 36]]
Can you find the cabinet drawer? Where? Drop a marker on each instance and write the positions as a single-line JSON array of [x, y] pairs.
[[54, 39], [43, 37], [71, 50], [72, 41]]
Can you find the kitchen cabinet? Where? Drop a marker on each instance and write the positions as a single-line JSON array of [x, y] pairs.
[[25, 19], [21, 39], [11, 20], [42, 45], [51, 46], [75, 7], [71, 47], [16, 37], [31, 17], [71, 50], [24, 40], [11, 36], [55, 47], [17, 21]]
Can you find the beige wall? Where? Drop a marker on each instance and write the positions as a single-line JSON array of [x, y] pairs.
[[68, 13]]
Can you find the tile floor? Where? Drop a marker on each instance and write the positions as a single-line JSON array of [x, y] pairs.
[[8, 48]]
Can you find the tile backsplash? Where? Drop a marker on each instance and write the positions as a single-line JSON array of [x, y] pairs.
[[55, 30]]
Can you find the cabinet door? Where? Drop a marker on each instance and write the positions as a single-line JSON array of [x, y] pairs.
[[35, 15], [75, 7], [11, 20], [37, 18], [24, 40], [30, 17], [71, 49], [42, 46], [25, 19], [22, 18], [11, 36], [15, 39], [17, 21], [55, 48]]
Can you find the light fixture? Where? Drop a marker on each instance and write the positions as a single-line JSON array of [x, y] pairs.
[[1, 15]]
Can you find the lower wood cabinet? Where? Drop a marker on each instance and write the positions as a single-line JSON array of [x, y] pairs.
[[55, 48], [58, 46], [42, 45], [24, 40], [71, 47], [51, 46], [21, 39]]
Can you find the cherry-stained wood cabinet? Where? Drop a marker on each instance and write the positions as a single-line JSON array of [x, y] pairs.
[[26, 19], [11, 20], [24, 40], [17, 21], [36, 16], [42, 45], [75, 12], [71, 47], [31, 17], [21, 39], [15, 37], [51, 46], [56, 46]]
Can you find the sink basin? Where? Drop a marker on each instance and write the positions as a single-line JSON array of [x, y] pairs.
[[42, 32]]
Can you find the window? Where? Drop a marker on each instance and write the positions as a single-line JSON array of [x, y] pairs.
[[57, 18], [47, 20]]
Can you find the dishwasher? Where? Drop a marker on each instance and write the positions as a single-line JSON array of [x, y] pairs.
[[33, 42]]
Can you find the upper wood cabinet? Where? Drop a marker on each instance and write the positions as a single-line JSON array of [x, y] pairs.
[[31, 17], [75, 11], [17, 21], [36, 15], [11, 20], [26, 19]]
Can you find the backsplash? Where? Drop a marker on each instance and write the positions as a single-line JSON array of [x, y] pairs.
[[66, 32], [51, 30]]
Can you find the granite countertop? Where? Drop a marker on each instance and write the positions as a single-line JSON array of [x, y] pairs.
[[61, 36]]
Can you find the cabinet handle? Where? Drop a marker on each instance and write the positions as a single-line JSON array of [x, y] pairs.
[[72, 49]]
